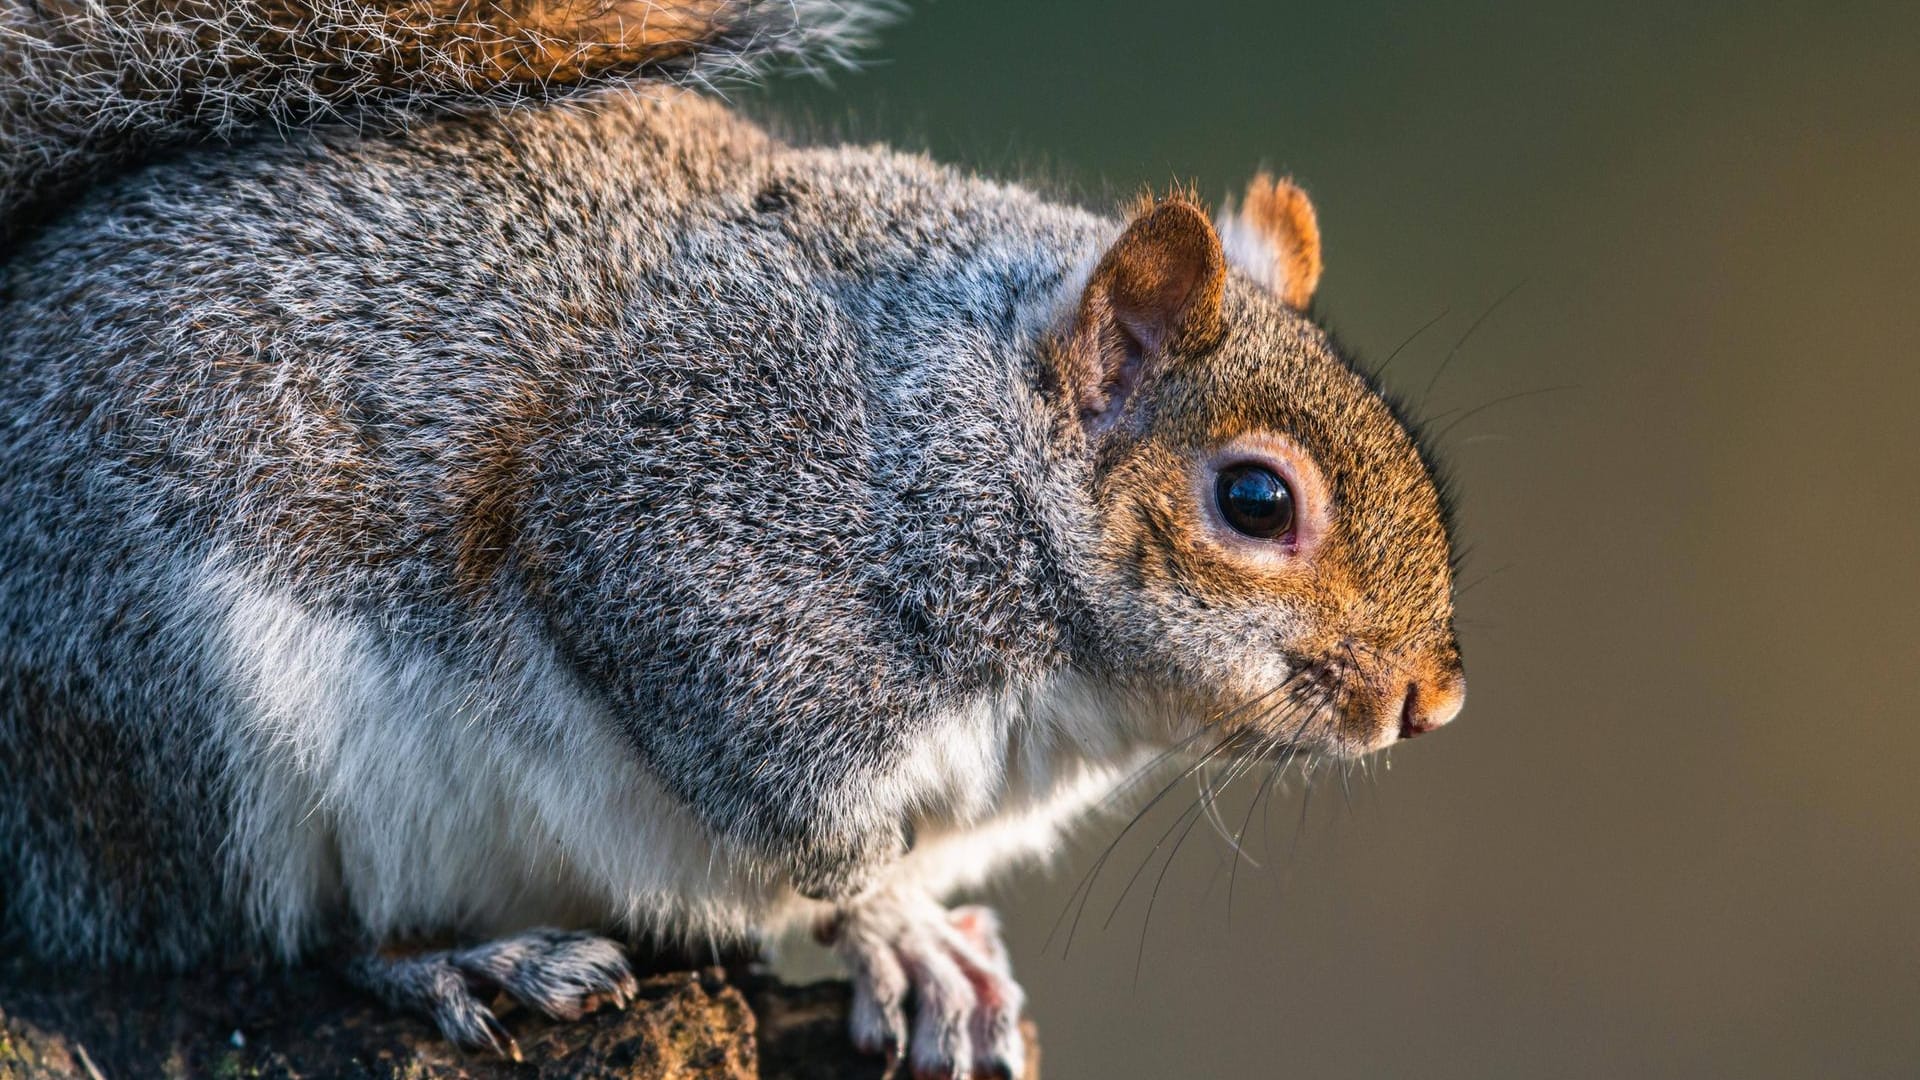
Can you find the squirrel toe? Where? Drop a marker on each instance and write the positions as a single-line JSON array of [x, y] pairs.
[[559, 974], [966, 1004]]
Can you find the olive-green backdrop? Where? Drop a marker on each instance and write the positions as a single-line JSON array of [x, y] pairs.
[[1677, 830]]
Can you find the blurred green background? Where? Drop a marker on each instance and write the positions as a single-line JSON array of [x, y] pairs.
[[1677, 830]]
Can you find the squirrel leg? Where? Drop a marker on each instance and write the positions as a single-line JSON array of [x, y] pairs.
[[966, 1004], [559, 974]]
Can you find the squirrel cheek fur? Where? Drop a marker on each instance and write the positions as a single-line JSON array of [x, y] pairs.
[[604, 516]]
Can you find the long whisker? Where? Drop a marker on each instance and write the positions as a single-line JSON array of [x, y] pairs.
[[1233, 874], [1140, 952], [1290, 689], [1411, 338], [1283, 757], [1496, 571], [1198, 805], [1153, 896], [1139, 775], [1300, 826], [1451, 353], [1483, 407], [1210, 794], [1085, 890], [1191, 812]]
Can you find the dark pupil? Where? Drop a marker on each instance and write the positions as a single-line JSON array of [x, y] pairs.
[[1254, 500]]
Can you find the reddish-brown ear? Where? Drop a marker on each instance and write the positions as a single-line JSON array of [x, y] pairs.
[[1275, 238], [1156, 291]]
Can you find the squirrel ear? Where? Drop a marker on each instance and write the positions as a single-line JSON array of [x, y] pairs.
[[1275, 238], [1156, 290]]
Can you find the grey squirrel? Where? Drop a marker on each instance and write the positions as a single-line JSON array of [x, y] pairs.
[[459, 483]]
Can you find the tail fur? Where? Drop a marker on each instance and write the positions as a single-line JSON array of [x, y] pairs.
[[89, 84]]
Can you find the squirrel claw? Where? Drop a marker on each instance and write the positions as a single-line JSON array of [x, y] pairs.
[[499, 1039], [558, 974], [966, 1016]]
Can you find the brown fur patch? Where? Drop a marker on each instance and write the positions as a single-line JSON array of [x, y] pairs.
[[554, 41], [495, 488], [479, 46]]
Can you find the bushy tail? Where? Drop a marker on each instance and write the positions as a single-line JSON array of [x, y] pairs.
[[87, 84]]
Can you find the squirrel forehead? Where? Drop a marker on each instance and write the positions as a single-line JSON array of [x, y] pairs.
[[1275, 371]]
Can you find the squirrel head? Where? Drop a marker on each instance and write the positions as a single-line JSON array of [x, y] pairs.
[[1271, 551]]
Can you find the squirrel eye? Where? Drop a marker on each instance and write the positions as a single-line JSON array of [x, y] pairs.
[[1254, 500]]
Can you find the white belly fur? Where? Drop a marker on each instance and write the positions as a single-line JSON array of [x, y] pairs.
[[384, 786]]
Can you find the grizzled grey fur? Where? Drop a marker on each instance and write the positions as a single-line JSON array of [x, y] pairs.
[[733, 428]]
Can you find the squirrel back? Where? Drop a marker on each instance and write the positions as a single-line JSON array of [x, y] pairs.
[[90, 85]]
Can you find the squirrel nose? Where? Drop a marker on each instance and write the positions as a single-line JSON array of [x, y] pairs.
[[1428, 706]]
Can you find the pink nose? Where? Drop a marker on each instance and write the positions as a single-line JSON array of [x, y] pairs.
[[1428, 706]]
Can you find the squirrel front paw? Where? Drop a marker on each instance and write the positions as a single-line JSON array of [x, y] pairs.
[[966, 1005], [559, 974]]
